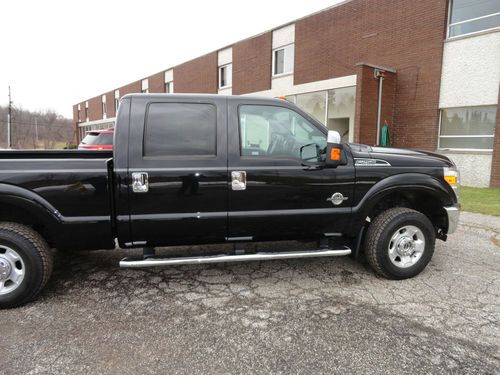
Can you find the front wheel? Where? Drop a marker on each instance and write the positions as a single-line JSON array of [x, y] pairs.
[[25, 264], [400, 243]]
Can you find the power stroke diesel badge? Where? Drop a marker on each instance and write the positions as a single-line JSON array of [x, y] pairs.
[[336, 198]]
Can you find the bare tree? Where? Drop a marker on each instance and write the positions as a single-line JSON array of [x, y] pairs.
[[32, 130]]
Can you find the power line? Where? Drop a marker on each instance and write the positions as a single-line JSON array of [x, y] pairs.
[[33, 123]]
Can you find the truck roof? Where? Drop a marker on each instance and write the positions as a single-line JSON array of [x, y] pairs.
[[206, 96]]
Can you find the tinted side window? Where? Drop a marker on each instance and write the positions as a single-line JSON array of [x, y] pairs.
[[180, 129], [106, 139]]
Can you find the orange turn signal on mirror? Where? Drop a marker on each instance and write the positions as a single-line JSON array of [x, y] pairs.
[[335, 153], [452, 180]]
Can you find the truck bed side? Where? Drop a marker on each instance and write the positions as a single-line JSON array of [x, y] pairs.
[[67, 190]]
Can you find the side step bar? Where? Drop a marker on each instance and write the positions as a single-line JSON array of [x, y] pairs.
[[157, 261]]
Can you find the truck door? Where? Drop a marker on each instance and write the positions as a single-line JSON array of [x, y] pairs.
[[272, 194], [178, 170]]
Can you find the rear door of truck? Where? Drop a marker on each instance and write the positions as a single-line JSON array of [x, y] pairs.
[[177, 170]]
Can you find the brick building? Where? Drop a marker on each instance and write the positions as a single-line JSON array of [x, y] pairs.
[[430, 69]]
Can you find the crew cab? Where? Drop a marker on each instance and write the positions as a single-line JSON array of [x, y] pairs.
[[201, 169]]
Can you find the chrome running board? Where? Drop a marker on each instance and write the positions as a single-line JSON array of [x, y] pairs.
[[223, 258]]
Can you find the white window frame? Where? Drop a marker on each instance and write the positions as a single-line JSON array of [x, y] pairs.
[[145, 86], [170, 85], [86, 111], [450, 25], [229, 76], [288, 47], [461, 136], [117, 100], [104, 108]]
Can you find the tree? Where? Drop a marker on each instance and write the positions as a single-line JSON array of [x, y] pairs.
[[32, 130]]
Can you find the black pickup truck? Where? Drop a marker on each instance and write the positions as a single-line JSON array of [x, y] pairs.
[[198, 169]]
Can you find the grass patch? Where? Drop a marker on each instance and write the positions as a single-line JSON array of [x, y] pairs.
[[482, 200]]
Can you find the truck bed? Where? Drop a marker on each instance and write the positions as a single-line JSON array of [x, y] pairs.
[[54, 154], [74, 183]]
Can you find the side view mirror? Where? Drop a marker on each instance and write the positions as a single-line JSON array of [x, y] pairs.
[[333, 149]]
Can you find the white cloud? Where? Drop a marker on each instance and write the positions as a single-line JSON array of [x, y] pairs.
[[57, 53]]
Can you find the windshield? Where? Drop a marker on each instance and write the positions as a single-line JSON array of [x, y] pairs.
[[94, 138], [90, 139]]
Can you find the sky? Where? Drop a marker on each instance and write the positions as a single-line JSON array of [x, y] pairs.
[[57, 53]]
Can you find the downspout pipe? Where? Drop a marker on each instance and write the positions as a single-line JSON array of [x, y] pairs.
[[379, 74]]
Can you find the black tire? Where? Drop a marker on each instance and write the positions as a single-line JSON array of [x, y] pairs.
[[37, 259], [379, 235]]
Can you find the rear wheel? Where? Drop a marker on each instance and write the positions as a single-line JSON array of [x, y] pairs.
[[400, 243], [25, 264]]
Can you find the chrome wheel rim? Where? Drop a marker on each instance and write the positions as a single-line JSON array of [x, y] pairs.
[[406, 246], [12, 270]]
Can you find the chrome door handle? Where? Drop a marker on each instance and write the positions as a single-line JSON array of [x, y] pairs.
[[238, 180], [140, 183]]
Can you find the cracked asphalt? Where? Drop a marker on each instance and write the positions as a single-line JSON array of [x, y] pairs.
[[295, 316]]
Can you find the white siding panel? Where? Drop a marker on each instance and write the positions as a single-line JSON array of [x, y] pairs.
[[471, 71], [284, 36], [284, 86], [169, 75], [474, 168], [225, 56], [225, 91]]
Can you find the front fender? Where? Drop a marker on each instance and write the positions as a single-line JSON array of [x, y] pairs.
[[405, 182]]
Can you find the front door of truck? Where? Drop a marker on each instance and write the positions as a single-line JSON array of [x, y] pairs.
[[272, 194], [178, 170]]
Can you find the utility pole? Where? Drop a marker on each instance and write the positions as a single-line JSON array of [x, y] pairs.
[[36, 132], [9, 123]]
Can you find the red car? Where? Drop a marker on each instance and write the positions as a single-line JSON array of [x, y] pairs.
[[97, 140]]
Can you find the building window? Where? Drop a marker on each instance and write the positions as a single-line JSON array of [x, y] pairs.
[[340, 111], [283, 60], [469, 16], [335, 108], [87, 111], [117, 100], [78, 113], [225, 76], [169, 87], [103, 106], [467, 128], [145, 86]]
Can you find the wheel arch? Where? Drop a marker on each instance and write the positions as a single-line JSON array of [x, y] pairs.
[[24, 206], [421, 192]]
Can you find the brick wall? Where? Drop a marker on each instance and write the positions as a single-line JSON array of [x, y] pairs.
[[95, 108], [367, 103], [110, 104], [157, 82], [197, 76], [404, 35], [495, 163], [75, 122], [131, 88], [252, 59]]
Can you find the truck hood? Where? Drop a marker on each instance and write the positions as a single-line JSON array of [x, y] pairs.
[[409, 157]]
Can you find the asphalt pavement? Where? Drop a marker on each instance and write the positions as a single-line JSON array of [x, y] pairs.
[[294, 316]]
